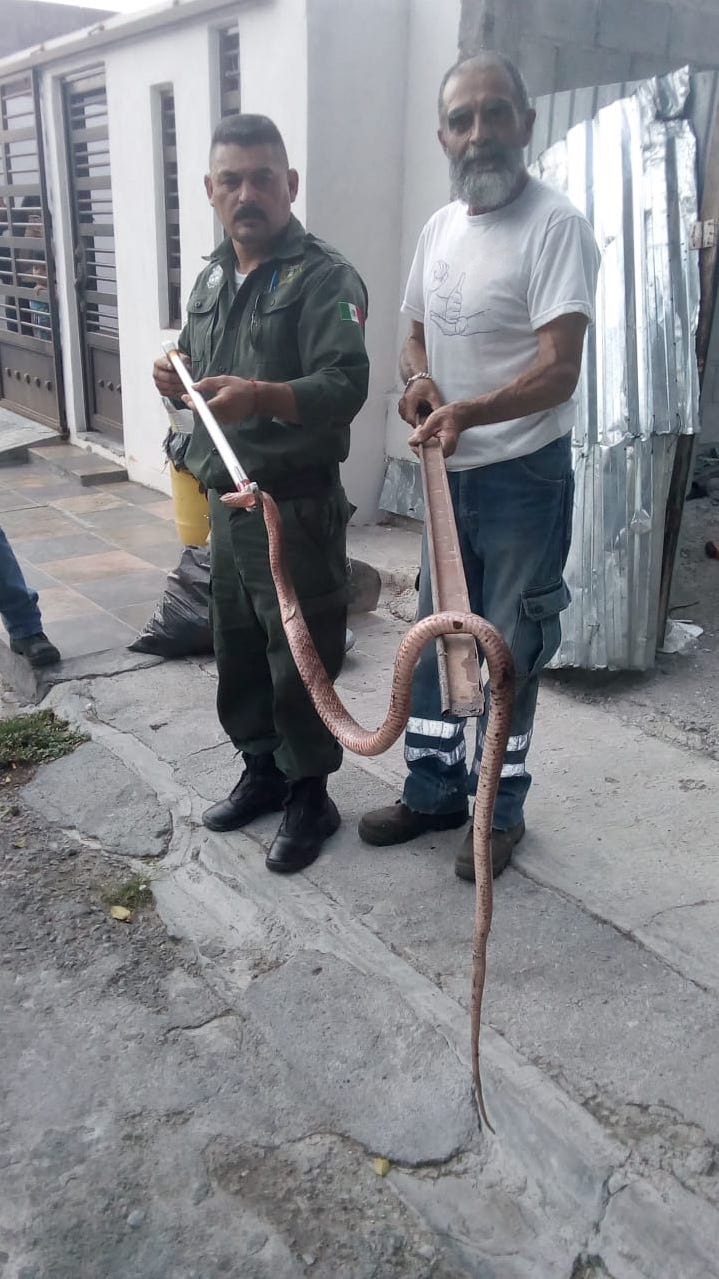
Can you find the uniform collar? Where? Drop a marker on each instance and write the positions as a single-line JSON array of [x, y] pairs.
[[290, 243]]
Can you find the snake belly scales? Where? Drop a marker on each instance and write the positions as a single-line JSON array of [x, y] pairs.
[[360, 741]]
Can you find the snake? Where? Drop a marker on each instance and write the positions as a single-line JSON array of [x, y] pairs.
[[361, 741]]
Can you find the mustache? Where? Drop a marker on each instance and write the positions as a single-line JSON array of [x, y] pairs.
[[485, 155], [249, 213]]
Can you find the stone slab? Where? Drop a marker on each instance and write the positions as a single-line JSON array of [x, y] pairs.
[[85, 467], [556, 1152], [34, 684], [93, 792], [626, 824], [361, 1080], [658, 1233], [17, 433], [567, 990]]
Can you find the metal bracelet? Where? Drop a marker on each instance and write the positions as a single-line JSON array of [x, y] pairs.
[[416, 377]]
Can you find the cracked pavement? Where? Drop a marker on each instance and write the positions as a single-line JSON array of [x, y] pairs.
[[225, 1071]]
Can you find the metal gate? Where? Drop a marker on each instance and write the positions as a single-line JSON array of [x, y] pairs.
[[94, 245], [30, 362]]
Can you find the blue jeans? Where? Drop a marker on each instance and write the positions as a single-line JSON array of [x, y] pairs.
[[515, 524], [18, 604]]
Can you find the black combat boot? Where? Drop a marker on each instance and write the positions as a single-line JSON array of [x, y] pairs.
[[261, 789], [310, 818]]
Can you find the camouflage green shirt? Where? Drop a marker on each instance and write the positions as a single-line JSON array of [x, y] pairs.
[[298, 318]]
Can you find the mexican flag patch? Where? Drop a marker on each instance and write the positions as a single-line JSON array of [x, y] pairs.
[[348, 311]]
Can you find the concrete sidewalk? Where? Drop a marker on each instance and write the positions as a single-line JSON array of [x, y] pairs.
[[601, 1033], [97, 556]]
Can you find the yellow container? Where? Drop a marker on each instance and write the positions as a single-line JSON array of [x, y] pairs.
[[192, 516]]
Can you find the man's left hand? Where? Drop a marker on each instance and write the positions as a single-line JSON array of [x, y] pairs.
[[232, 399], [446, 423]]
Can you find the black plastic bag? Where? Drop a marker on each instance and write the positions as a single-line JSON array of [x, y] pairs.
[[175, 446], [180, 625]]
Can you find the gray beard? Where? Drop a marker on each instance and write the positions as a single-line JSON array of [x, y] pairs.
[[486, 188]]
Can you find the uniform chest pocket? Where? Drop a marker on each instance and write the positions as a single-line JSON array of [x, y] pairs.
[[273, 335], [200, 317]]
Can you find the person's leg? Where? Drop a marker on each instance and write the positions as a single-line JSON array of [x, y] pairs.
[[18, 604], [313, 533], [434, 747], [435, 791], [244, 687], [524, 593], [20, 612], [314, 536]]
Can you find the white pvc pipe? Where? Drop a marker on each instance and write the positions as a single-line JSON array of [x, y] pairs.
[[239, 476]]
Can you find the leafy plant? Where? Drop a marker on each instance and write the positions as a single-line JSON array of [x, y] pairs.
[[134, 893], [36, 738]]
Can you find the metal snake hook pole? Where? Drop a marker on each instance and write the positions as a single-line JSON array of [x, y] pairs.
[[449, 623], [239, 476]]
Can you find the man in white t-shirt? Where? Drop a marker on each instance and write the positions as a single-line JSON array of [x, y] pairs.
[[499, 296]]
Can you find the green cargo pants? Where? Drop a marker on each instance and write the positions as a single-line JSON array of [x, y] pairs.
[[261, 701]]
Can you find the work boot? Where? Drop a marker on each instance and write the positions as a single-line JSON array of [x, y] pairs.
[[397, 823], [261, 789], [310, 818], [37, 649], [503, 842]]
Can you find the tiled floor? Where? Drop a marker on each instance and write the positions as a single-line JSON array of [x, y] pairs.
[[98, 558]]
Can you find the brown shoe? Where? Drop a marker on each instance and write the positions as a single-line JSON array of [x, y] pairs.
[[503, 842], [397, 823]]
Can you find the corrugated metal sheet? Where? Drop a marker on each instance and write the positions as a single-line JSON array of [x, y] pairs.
[[558, 112], [632, 170]]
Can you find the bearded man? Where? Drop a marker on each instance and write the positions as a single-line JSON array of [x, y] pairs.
[[499, 296]]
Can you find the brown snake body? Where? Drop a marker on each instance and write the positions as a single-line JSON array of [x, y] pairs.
[[359, 740], [363, 742]]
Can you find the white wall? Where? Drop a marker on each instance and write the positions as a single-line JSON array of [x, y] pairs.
[[273, 76], [273, 81], [356, 102], [432, 48], [352, 85], [134, 73]]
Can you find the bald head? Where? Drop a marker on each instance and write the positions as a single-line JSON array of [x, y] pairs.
[[487, 60]]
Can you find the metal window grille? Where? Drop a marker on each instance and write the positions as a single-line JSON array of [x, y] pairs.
[[87, 128], [22, 249], [86, 104], [229, 71], [172, 207], [30, 363]]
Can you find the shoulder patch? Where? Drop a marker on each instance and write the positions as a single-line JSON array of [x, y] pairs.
[[215, 276], [348, 311]]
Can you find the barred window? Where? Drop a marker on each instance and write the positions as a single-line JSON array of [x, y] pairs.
[[89, 146], [23, 272], [229, 71], [171, 207]]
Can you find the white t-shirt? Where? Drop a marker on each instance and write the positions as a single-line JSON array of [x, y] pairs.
[[239, 279], [482, 285]]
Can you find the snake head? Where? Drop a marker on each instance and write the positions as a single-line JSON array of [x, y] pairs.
[[246, 498]]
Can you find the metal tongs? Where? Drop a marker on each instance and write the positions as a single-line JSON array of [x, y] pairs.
[[244, 485]]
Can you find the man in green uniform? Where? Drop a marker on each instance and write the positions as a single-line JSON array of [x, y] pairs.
[[275, 341]]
